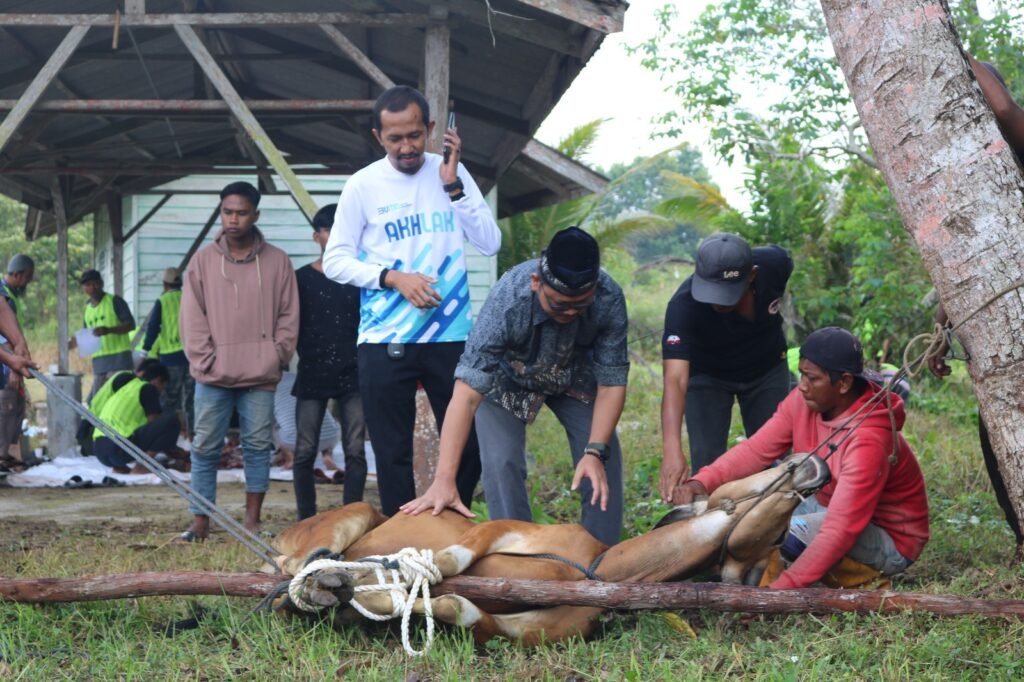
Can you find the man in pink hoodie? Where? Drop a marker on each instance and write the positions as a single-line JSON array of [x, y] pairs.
[[875, 509], [239, 323]]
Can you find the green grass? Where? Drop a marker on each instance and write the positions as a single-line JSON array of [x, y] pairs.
[[968, 555]]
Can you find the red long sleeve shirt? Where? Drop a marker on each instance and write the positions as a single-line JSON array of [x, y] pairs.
[[865, 486]]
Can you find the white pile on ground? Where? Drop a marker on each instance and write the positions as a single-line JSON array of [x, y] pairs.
[[57, 472]]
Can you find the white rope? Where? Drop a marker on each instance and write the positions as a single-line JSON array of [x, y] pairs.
[[412, 578]]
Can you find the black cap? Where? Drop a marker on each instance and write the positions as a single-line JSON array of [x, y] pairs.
[[571, 264], [834, 350], [89, 276], [724, 263]]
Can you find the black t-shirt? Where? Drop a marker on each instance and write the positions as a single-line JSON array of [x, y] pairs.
[[728, 346], [328, 329], [149, 396]]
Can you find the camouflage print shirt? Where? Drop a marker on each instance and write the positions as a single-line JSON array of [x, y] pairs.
[[517, 356]]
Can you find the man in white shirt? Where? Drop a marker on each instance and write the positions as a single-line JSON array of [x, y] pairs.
[[399, 233]]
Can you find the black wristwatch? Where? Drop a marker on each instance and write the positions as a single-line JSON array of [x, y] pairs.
[[452, 186], [599, 450], [383, 276]]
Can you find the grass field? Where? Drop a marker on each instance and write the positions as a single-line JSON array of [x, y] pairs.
[[968, 555]]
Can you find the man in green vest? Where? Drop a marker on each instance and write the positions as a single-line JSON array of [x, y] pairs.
[[162, 332], [109, 318], [133, 410], [20, 270], [84, 435]]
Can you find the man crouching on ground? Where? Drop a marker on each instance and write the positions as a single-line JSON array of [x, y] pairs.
[[871, 520]]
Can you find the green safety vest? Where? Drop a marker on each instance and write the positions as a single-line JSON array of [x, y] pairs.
[[103, 315], [18, 303], [123, 411], [100, 398], [169, 340]]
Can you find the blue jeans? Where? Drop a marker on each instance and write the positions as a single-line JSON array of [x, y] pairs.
[[213, 405]]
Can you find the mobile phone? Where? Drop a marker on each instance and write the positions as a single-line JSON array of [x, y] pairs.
[[396, 351], [451, 124]]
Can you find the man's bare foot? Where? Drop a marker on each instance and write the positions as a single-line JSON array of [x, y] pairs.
[[138, 469]]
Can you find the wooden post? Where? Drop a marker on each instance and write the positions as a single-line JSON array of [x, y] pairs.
[[246, 119], [39, 84], [61, 218], [436, 73], [349, 49], [115, 215]]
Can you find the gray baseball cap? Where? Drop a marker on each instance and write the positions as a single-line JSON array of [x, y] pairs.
[[724, 263]]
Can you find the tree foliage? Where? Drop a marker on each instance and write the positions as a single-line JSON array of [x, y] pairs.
[[760, 74], [41, 311], [626, 213]]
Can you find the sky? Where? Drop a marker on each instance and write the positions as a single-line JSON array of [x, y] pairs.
[[615, 86]]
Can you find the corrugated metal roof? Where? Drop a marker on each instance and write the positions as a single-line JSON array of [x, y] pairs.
[[503, 83]]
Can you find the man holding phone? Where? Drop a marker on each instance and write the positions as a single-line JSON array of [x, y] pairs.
[[399, 233]]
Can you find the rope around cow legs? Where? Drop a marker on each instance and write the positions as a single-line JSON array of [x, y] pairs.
[[407, 574]]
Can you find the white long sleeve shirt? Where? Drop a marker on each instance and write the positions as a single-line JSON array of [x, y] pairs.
[[404, 222]]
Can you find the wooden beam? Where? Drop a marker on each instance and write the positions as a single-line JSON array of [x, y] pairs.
[[61, 217], [219, 19], [604, 17], [246, 118], [39, 84], [554, 162], [349, 49], [149, 214], [166, 170], [198, 241], [164, 107], [436, 76]]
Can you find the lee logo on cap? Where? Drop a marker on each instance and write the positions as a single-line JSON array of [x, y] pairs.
[[730, 274]]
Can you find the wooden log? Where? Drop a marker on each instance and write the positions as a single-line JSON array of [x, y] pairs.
[[129, 585], [632, 596]]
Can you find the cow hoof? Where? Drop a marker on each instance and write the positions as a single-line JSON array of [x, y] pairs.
[[328, 587]]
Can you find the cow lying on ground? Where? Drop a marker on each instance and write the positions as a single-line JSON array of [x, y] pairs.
[[749, 517]]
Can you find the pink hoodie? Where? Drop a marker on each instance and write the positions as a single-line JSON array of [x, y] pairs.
[[239, 319], [865, 486]]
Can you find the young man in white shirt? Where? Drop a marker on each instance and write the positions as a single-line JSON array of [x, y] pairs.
[[399, 233]]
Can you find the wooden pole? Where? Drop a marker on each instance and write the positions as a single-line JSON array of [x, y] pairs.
[[349, 49], [40, 83], [436, 72], [60, 216], [115, 213], [541, 593], [246, 119]]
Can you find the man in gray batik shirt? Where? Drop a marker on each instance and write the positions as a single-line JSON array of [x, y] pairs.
[[552, 332]]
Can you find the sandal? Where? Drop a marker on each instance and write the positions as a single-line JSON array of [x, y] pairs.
[[187, 538]]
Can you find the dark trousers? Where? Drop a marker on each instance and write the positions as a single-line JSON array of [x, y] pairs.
[[388, 388], [996, 476], [309, 417], [709, 410], [179, 396], [159, 435]]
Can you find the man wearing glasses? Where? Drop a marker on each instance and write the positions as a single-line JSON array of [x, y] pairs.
[[552, 332]]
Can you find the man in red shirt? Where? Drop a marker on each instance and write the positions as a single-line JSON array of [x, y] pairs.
[[875, 509]]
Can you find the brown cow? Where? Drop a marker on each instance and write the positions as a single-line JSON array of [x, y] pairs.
[[750, 517]]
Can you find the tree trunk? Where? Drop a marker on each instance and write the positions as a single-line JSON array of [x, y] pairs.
[[957, 185], [634, 596]]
